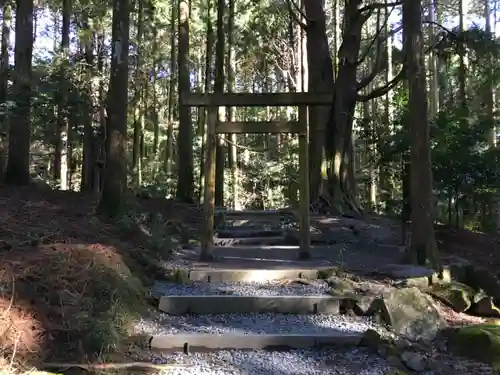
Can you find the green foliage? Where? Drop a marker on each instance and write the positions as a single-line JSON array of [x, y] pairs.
[[159, 235], [465, 169]]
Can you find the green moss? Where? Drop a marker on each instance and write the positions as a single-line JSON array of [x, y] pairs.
[[480, 342]]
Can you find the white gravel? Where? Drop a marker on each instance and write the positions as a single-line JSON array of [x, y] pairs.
[[269, 288], [296, 362], [164, 324]]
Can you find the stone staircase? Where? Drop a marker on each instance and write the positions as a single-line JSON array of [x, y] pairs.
[[251, 249], [258, 310]]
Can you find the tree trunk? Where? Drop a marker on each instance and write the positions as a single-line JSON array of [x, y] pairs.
[[100, 138], [387, 175], [339, 151], [87, 184], [4, 83], [61, 159], [19, 132], [489, 93], [208, 75], [462, 69], [231, 115], [219, 87], [138, 103], [115, 173], [423, 242], [155, 118], [185, 183], [433, 65], [169, 152], [320, 79], [489, 101]]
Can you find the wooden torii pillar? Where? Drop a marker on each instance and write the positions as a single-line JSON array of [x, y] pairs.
[[213, 101]]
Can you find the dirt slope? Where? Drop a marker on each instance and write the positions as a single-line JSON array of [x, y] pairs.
[[70, 281]]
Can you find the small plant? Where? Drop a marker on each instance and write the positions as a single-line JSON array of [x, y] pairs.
[[342, 264], [160, 240], [326, 273], [179, 276], [126, 222]]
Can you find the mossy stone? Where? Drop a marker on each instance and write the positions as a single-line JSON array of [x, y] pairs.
[[456, 295], [479, 342]]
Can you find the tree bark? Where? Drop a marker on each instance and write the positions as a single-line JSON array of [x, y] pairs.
[[208, 74], [231, 112], [219, 87], [169, 152], [423, 242], [61, 160], [4, 81], [19, 132], [339, 150], [138, 102], [185, 183], [115, 173], [89, 161], [321, 79]]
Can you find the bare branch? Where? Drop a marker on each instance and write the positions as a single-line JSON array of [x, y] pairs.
[[380, 6], [365, 54], [383, 89], [377, 66]]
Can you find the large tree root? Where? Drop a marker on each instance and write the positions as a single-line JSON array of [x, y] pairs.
[[343, 206]]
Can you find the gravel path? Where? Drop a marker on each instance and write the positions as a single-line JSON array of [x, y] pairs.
[[297, 362], [251, 323], [270, 288]]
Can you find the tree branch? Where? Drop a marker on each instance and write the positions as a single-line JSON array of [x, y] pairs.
[[378, 59], [438, 25], [383, 89], [380, 6], [292, 8], [365, 54]]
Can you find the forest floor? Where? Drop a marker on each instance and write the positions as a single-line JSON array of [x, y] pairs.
[[71, 282]]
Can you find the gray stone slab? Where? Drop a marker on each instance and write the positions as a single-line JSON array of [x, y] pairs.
[[404, 271], [264, 241], [211, 342], [230, 304], [235, 232], [251, 275], [250, 213]]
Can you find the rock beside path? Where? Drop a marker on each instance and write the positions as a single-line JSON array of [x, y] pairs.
[[456, 295], [410, 313], [479, 342]]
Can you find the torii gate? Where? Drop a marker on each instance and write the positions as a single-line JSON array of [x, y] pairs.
[[213, 101]]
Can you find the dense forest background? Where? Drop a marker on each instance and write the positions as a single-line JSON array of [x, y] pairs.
[[414, 91]]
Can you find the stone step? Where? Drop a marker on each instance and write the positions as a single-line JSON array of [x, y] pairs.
[[234, 304], [253, 275], [210, 342], [253, 213], [236, 232], [254, 222], [267, 241]]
